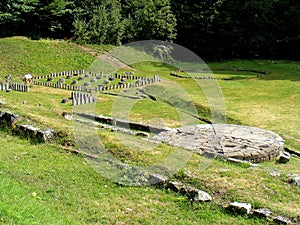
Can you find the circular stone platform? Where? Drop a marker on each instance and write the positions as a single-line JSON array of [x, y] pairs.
[[226, 140]]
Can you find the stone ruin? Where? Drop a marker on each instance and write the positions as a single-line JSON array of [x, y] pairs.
[[226, 141], [9, 121]]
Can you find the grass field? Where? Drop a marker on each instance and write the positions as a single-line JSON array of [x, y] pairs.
[[46, 184]]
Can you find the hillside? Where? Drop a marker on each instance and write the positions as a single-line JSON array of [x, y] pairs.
[[50, 183]]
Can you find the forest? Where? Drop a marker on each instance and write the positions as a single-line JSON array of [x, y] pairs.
[[214, 29]]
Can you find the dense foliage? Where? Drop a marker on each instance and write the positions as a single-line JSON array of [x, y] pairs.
[[212, 28]]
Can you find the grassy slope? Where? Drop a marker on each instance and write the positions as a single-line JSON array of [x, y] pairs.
[[43, 184], [20, 55], [224, 181]]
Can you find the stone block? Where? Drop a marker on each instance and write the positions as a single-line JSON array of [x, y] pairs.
[[284, 157], [294, 179], [262, 213], [240, 208], [156, 179]]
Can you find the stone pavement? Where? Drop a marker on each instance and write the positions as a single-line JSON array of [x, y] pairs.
[[226, 140]]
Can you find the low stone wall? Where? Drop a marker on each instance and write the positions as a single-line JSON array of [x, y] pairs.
[[9, 120], [124, 123]]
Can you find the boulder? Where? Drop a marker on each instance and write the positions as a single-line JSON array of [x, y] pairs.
[[240, 208]]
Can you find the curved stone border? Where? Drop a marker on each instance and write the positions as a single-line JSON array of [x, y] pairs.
[[174, 74], [226, 141]]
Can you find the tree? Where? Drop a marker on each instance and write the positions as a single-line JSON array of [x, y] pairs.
[[13, 15], [195, 22], [148, 20], [103, 26]]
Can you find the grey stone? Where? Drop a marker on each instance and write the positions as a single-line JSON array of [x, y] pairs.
[[10, 118], [275, 174], [284, 157], [61, 80], [262, 213], [65, 100], [157, 179], [67, 116], [74, 82], [226, 141], [201, 196], [294, 179], [282, 220], [195, 195], [240, 208], [142, 134], [175, 186], [2, 103]]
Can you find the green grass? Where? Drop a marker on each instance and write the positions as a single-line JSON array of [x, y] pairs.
[[42, 184], [39, 57], [69, 191]]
